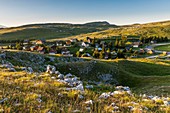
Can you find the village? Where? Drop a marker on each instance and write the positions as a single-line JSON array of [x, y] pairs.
[[105, 48]]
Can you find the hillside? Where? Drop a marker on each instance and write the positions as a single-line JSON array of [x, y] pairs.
[[92, 29], [145, 30], [82, 85], [140, 74], [51, 30]]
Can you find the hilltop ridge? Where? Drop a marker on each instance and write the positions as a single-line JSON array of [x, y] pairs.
[[98, 29]]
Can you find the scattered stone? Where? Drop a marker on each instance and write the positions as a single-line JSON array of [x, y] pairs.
[[76, 111], [57, 72], [53, 77], [104, 95], [61, 76], [68, 75], [89, 86], [80, 87], [89, 102], [12, 70], [88, 109], [30, 70], [80, 96], [3, 100], [167, 103], [51, 69]]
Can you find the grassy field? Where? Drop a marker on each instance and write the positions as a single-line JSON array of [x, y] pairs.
[[146, 76], [27, 93], [163, 48]]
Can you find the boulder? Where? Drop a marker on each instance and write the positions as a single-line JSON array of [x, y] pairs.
[[61, 76], [80, 87], [68, 75], [11, 69], [89, 102], [51, 69], [104, 95], [30, 70], [89, 86]]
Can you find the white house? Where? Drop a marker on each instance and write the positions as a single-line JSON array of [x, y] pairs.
[[85, 44]]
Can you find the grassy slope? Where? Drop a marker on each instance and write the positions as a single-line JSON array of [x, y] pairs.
[[98, 30], [29, 93], [150, 29], [51, 30], [145, 77], [163, 48]]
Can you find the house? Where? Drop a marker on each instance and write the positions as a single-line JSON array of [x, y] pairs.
[[136, 44], [74, 40], [106, 56], [148, 48], [52, 52], [85, 44], [26, 42], [150, 52], [89, 40], [41, 49], [153, 41], [141, 51], [33, 48], [81, 49], [40, 42], [26, 48], [12, 46], [86, 55], [68, 42], [59, 43], [99, 49]]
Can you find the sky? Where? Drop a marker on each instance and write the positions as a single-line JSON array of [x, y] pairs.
[[120, 12]]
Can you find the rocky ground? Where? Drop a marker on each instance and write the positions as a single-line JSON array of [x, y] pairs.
[[23, 89]]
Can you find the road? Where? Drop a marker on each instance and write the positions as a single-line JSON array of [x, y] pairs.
[[155, 45]]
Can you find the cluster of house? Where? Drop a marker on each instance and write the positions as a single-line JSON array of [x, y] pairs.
[[63, 46]]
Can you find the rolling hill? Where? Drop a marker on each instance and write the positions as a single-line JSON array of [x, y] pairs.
[[54, 31], [145, 30]]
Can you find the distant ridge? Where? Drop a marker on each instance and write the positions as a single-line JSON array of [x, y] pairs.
[[98, 29], [1, 26]]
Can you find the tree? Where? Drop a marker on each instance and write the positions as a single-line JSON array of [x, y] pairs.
[[108, 50], [78, 54], [103, 48], [96, 54], [116, 43], [18, 46], [110, 45], [124, 38], [120, 54], [120, 44], [101, 55], [93, 42]]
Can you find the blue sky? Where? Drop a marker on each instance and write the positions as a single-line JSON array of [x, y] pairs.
[[19, 12]]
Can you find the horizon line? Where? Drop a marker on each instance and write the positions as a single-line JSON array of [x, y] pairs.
[[67, 22]]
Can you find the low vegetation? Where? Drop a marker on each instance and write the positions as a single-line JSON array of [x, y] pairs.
[[163, 48], [22, 91]]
